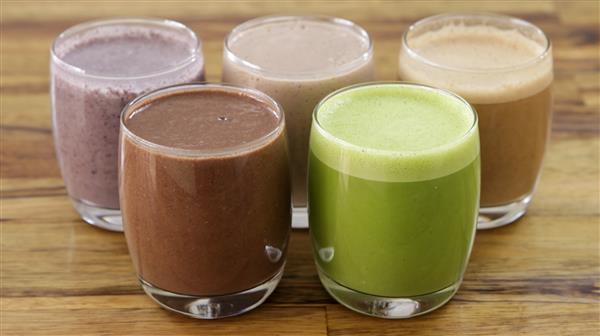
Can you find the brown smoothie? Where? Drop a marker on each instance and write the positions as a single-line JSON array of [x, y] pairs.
[[297, 61], [497, 72], [205, 190], [513, 146]]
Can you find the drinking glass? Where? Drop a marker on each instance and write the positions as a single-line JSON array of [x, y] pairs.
[[297, 89], [207, 229], [95, 69], [392, 226], [503, 67]]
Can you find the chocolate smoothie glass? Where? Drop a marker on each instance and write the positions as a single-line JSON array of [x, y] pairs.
[[96, 69], [503, 67], [298, 60], [205, 196]]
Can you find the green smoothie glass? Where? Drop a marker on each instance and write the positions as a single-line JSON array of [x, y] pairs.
[[393, 196]]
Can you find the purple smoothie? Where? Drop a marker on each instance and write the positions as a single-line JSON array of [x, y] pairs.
[[96, 69]]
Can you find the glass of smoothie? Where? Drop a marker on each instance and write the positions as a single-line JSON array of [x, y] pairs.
[[503, 67], [205, 196], [298, 60], [95, 69], [393, 196]]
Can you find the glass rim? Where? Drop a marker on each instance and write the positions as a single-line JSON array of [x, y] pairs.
[[161, 93], [195, 54], [472, 128], [513, 21], [365, 56]]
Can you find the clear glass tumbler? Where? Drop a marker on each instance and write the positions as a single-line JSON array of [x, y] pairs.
[[205, 196], [393, 196], [298, 60], [96, 68], [503, 67]]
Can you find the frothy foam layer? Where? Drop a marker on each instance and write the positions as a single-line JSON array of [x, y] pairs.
[[395, 132], [484, 64], [299, 46], [126, 51]]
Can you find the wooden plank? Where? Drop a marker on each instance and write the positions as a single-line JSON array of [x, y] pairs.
[[483, 318], [23, 11], [138, 315], [570, 177], [51, 252], [578, 12]]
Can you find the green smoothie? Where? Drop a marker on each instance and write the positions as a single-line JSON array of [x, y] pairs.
[[393, 188]]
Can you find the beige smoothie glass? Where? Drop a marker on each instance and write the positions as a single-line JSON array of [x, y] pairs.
[[298, 60], [503, 67]]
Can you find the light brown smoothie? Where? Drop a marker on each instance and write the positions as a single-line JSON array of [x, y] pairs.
[[504, 75], [206, 208], [297, 61]]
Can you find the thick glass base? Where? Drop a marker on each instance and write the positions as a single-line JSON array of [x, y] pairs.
[[104, 218], [299, 217], [387, 307], [213, 307], [496, 216]]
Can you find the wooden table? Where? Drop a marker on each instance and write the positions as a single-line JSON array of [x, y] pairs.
[[540, 275]]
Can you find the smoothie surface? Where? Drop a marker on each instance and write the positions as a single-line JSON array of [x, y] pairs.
[[395, 132], [209, 119], [477, 47], [124, 53], [299, 46], [489, 65]]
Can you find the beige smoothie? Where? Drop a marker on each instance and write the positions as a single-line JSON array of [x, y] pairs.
[[298, 61], [506, 74]]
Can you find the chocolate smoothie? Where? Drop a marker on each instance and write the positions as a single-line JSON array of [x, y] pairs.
[[298, 61], [506, 74], [205, 189], [97, 68]]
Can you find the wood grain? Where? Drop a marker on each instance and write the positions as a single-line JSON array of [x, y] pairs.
[[138, 315], [540, 276]]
